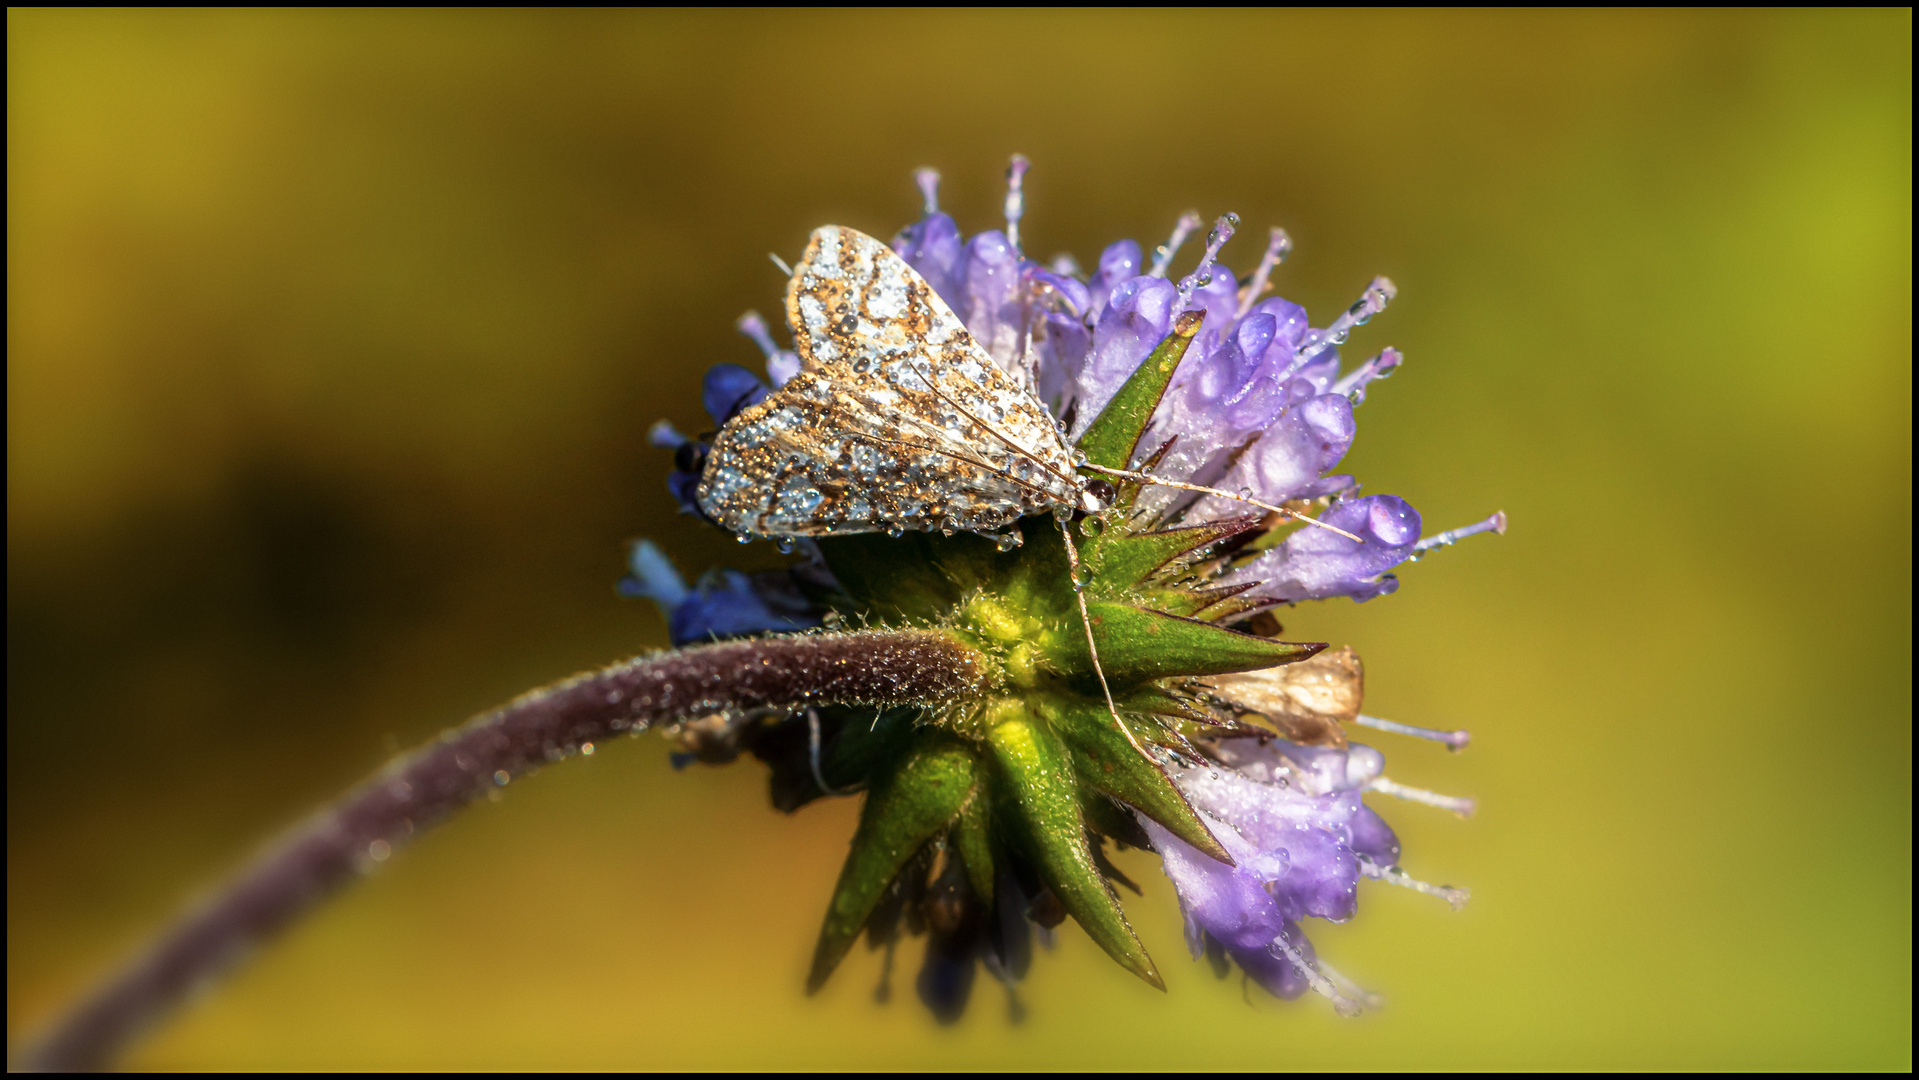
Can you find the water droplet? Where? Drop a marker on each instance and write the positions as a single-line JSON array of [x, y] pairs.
[[379, 850], [1091, 526], [744, 539], [895, 531], [586, 749], [500, 777]]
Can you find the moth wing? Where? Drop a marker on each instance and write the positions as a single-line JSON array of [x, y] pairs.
[[861, 315], [818, 459]]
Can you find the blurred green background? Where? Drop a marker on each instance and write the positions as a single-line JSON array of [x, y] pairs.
[[333, 339]]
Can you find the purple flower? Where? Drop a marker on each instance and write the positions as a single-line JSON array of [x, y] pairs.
[[728, 389], [1315, 564], [722, 604], [1301, 839], [1260, 408]]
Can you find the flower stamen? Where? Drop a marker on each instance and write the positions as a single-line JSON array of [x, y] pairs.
[[1495, 524], [1163, 256], [1458, 804], [928, 181], [1393, 875], [1378, 294], [1350, 988], [1277, 248], [1321, 985], [1015, 199], [781, 364], [1454, 740], [1202, 274], [1353, 386]]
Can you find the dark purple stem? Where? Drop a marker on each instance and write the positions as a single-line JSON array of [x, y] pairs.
[[427, 785]]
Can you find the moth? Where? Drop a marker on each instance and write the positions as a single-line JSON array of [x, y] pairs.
[[897, 420]]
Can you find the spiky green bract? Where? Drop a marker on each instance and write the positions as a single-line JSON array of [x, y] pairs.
[[912, 802], [1022, 784], [1113, 435], [1040, 792], [1111, 761]]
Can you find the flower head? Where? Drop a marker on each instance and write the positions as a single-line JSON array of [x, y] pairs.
[[1194, 730]]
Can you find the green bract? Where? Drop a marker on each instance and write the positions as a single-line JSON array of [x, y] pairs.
[[1030, 778]]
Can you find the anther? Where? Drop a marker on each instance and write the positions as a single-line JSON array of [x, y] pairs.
[[1202, 274], [1393, 875], [1458, 804], [1495, 524], [1278, 246], [928, 181], [1015, 198], [1354, 385], [1455, 740], [1182, 229]]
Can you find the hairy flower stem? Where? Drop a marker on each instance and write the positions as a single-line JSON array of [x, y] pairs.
[[418, 789]]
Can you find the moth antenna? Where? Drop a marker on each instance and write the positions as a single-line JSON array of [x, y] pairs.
[[1086, 623], [1247, 499], [781, 263]]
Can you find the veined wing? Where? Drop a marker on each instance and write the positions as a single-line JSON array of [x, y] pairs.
[[865, 318], [816, 460], [898, 419]]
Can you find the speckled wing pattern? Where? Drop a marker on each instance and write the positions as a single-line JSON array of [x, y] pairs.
[[897, 419]]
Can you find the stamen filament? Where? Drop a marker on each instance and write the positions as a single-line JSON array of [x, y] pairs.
[[1015, 199], [1370, 303], [1277, 248], [1455, 740], [1202, 274], [1349, 987], [1181, 230], [755, 327], [1378, 367], [928, 181], [1458, 804], [1393, 875], [1494, 524], [1321, 985]]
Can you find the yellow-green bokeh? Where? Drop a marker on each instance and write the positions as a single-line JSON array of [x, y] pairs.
[[333, 338]]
